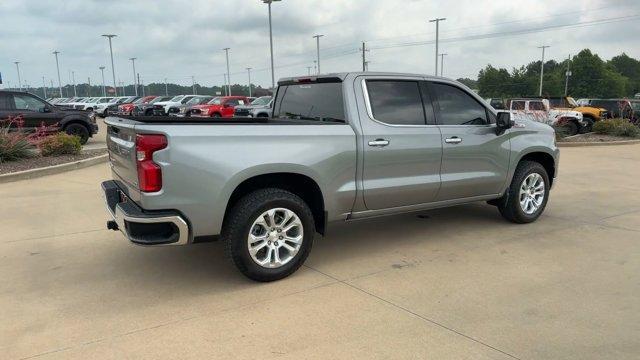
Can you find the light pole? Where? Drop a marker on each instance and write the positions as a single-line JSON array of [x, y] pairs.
[[58, 68], [249, 73], [543, 47], [193, 83], [226, 51], [135, 82], [113, 70], [315, 66], [224, 87], [104, 90], [567, 74], [437, 21], [73, 80], [442, 64], [44, 88], [273, 77], [309, 70], [166, 87], [318, 36], [18, 68]]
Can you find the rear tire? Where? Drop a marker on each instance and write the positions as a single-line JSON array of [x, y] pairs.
[[588, 127], [571, 128], [520, 204], [78, 130], [216, 115], [247, 226]]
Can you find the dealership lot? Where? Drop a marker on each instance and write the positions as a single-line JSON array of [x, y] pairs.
[[454, 283]]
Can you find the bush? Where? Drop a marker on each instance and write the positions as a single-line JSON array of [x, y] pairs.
[[60, 144], [617, 127], [14, 145]]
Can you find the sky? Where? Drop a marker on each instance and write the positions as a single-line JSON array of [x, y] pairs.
[[178, 39]]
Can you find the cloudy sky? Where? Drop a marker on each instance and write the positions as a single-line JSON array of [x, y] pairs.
[[178, 39]]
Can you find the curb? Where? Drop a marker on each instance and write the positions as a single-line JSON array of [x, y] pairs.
[[597, 143], [51, 170]]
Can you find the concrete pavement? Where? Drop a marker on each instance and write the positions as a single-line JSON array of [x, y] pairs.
[[458, 283]]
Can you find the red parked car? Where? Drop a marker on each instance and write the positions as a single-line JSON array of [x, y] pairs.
[[127, 109], [223, 106]]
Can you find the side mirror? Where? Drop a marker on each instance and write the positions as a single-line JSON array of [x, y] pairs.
[[503, 121]]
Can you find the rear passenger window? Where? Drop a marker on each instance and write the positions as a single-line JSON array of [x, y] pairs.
[[536, 105], [457, 107], [4, 102], [396, 102]]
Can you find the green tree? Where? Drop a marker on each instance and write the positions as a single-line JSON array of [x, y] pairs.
[[630, 68], [494, 82]]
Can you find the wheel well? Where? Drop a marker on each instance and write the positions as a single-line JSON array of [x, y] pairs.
[[545, 160], [263, 115], [303, 186]]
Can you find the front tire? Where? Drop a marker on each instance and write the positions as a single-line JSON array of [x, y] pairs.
[[78, 130], [527, 195], [571, 128], [268, 234]]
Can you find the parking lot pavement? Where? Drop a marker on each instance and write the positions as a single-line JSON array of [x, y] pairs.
[[99, 140], [454, 283]]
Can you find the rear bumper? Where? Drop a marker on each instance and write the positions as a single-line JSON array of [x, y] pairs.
[[143, 227]]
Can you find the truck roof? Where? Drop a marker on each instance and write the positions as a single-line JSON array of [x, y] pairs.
[[343, 75]]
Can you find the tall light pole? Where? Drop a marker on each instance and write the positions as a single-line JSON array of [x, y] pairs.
[[224, 87], [135, 82], [18, 69], [567, 74], [249, 73], [73, 80], [309, 70], [442, 63], [113, 70], [543, 47], [104, 89], [226, 51], [437, 21], [58, 68], [166, 87], [273, 76], [315, 67], [44, 88], [193, 83], [318, 36]]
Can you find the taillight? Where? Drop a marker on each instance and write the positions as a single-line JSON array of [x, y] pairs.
[[149, 173]]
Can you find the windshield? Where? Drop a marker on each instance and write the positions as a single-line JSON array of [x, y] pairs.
[[316, 101], [177, 98], [264, 100], [572, 102], [635, 105], [215, 101], [158, 99], [198, 100], [139, 101]]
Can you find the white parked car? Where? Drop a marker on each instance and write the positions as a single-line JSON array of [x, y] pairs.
[[539, 110], [92, 103], [101, 108], [162, 107]]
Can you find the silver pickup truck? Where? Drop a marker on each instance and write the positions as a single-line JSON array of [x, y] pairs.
[[339, 147]]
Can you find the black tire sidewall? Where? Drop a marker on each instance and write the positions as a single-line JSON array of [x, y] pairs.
[[82, 132], [238, 239], [572, 128], [527, 169]]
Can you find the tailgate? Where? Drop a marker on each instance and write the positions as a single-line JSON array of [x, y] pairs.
[[121, 142]]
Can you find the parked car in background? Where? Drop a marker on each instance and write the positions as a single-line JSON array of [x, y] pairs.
[[114, 108], [616, 108], [590, 113], [127, 108], [183, 109], [146, 109], [92, 103], [539, 110], [371, 145], [37, 112], [101, 109], [223, 107], [260, 107], [162, 108], [497, 103]]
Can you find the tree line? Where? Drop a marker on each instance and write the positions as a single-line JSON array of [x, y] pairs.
[[591, 77]]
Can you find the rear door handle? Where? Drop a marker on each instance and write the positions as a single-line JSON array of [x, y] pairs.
[[379, 142], [453, 140]]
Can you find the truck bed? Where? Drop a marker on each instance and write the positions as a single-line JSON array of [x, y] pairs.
[[173, 120]]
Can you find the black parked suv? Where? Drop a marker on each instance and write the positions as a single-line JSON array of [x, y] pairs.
[[37, 112]]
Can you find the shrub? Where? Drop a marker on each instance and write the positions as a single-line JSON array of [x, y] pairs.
[[14, 145], [617, 127], [60, 144]]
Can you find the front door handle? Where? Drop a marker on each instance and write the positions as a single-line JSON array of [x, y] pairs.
[[453, 140], [379, 142]]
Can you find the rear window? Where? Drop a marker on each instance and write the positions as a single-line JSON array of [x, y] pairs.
[[315, 101]]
